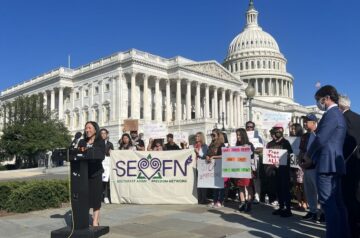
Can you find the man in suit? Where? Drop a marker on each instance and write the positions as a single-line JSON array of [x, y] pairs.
[[352, 160], [326, 153]]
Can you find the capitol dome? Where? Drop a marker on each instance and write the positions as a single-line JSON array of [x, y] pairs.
[[255, 57]]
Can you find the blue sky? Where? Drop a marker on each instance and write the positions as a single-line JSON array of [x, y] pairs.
[[320, 39]]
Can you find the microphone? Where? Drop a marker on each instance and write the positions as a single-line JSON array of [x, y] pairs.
[[77, 136]]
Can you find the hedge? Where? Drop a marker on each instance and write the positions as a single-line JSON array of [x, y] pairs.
[[34, 195]]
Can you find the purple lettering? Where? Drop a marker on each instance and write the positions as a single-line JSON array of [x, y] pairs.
[[130, 168], [164, 167], [118, 165], [177, 164]]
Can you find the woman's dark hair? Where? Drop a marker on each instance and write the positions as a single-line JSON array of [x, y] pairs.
[[121, 141], [97, 131], [244, 137], [328, 90], [104, 129], [298, 129], [153, 145]]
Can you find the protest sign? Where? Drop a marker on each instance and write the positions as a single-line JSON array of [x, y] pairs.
[[236, 162], [155, 130], [131, 125], [209, 174], [275, 157], [181, 136]]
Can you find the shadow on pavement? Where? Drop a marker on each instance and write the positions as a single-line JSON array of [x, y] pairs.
[[271, 224]]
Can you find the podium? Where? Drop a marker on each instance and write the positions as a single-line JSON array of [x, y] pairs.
[[80, 200]]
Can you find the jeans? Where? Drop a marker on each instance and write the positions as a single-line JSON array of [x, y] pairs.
[[218, 195], [310, 188], [283, 187]]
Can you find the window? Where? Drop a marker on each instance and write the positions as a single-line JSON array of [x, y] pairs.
[[252, 65], [86, 116], [236, 67], [264, 64], [258, 65], [107, 114], [77, 95], [86, 92], [76, 120], [96, 115], [241, 66], [96, 90], [246, 65], [107, 87]]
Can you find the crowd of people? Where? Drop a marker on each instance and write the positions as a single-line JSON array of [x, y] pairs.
[[325, 184]]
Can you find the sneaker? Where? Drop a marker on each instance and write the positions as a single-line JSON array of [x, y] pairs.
[[256, 201], [308, 216], [277, 212], [217, 205], [242, 207], [286, 213], [275, 203], [106, 200], [211, 204]]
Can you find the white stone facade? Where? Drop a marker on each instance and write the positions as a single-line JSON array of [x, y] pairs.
[[142, 86], [139, 85]]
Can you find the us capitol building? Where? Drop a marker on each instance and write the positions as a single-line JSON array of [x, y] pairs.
[[183, 94]]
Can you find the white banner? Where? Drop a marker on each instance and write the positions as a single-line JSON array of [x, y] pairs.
[[106, 166], [153, 177], [275, 157], [236, 162], [209, 174]]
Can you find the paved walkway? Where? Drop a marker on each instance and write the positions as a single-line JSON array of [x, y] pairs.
[[168, 221], [157, 221]]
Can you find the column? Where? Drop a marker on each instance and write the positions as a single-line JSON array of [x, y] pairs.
[[114, 106], [61, 103], [45, 100], [263, 86], [231, 107], [235, 110], [276, 87], [157, 100], [119, 99], [168, 105], [238, 110], [256, 87], [216, 107], [188, 100], [207, 102], [178, 100], [223, 103], [133, 94], [145, 98], [241, 112], [52, 99], [101, 109], [197, 101]]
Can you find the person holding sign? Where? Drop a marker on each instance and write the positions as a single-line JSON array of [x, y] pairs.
[[214, 152], [244, 183], [282, 172], [201, 150]]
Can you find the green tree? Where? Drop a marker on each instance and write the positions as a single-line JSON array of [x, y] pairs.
[[30, 130]]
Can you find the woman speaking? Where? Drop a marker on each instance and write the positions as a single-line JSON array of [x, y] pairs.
[[94, 146]]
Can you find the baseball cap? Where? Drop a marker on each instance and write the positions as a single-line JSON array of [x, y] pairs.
[[310, 117]]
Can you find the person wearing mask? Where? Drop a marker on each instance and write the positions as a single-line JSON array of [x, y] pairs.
[[326, 153], [282, 173], [351, 181], [310, 187], [108, 146], [137, 142], [215, 153], [201, 149], [93, 144], [250, 127], [125, 143], [244, 183], [171, 145]]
